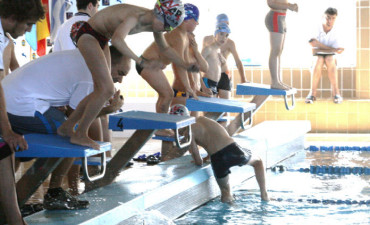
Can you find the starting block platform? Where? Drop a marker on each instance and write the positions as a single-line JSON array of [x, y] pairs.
[[216, 107], [146, 195], [145, 124], [263, 89], [50, 150]]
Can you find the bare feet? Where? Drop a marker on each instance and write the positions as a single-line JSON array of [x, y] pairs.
[[165, 132], [64, 131], [84, 141], [279, 86], [227, 199], [287, 86], [264, 196]]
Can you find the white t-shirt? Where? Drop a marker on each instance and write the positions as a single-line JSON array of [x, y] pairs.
[[329, 39], [63, 39], [57, 79], [4, 41]]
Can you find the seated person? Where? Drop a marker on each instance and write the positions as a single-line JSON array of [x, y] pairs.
[[16, 18], [324, 46], [224, 151], [35, 92]]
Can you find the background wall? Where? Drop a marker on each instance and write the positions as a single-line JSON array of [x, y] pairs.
[[251, 38]]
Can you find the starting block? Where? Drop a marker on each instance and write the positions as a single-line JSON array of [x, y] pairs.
[[145, 124], [50, 149], [263, 89], [221, 106]]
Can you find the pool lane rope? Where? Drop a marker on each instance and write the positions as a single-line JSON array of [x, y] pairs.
[[328, 201], [338, 170], [313, 148]]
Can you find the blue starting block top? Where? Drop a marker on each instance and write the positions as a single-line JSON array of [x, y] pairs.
[[205, 104], [139, 120], [54, 146], [261, 89]]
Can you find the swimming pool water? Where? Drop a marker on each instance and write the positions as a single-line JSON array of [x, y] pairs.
[[295, 190]]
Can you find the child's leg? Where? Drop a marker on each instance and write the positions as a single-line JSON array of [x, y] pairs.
[[103, 88], [276, 42], [279, 64], [8, 195], [158, 81], [259, 170], [223, 184]]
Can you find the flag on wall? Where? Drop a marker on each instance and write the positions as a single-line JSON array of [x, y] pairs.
[[57, 10], [31, 38], [43, 30]]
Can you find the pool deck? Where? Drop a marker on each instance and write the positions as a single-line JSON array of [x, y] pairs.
[[162, 187]]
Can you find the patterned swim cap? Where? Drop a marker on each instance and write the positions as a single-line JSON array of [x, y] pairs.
[[222, 27], [180, 110], [170, 12], [222, 18], [191, 12]]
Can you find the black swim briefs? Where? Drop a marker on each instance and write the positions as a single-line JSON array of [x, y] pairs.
[[231, 155]]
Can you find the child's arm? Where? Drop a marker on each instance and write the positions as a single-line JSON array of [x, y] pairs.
[[282, 6], [195, 153], [170, 53], [238, 63], [203, 65]]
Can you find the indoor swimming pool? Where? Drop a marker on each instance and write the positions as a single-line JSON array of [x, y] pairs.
[[298, 197]]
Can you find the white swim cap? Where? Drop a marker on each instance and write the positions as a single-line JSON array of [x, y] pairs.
[[180, 110], [170, 12]]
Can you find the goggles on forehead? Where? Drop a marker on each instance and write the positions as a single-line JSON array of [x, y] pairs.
[[167, 26]]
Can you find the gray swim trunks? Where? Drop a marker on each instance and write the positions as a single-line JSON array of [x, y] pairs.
[[275, 22]]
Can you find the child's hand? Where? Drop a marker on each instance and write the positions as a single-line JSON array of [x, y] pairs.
[[293, 7], [117, 101]]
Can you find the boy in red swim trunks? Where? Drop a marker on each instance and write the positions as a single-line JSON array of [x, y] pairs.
[[275, 23], [115, 23]]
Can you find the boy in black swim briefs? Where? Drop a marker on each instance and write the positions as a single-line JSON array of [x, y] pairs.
[[224, 152]]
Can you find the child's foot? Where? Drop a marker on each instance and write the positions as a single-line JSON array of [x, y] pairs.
[[279, 86], [165, 132], [84, 141], [265, 197], [64, 131], [287, 86], [227, 199]]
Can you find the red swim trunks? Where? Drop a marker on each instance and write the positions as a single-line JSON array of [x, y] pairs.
[[82, 27]]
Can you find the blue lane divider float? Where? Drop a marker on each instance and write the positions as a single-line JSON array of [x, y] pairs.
[[328, 201], [313, 148], [339, 170]]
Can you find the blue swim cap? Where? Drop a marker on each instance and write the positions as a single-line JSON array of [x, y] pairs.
[[191, 12], [222, 27], [222, 18]]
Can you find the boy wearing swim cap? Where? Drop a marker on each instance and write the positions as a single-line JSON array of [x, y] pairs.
[[178, 40], [275, 23], [224, 90], [224, 152], [194, 56], [115, 23], [213, 56]]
